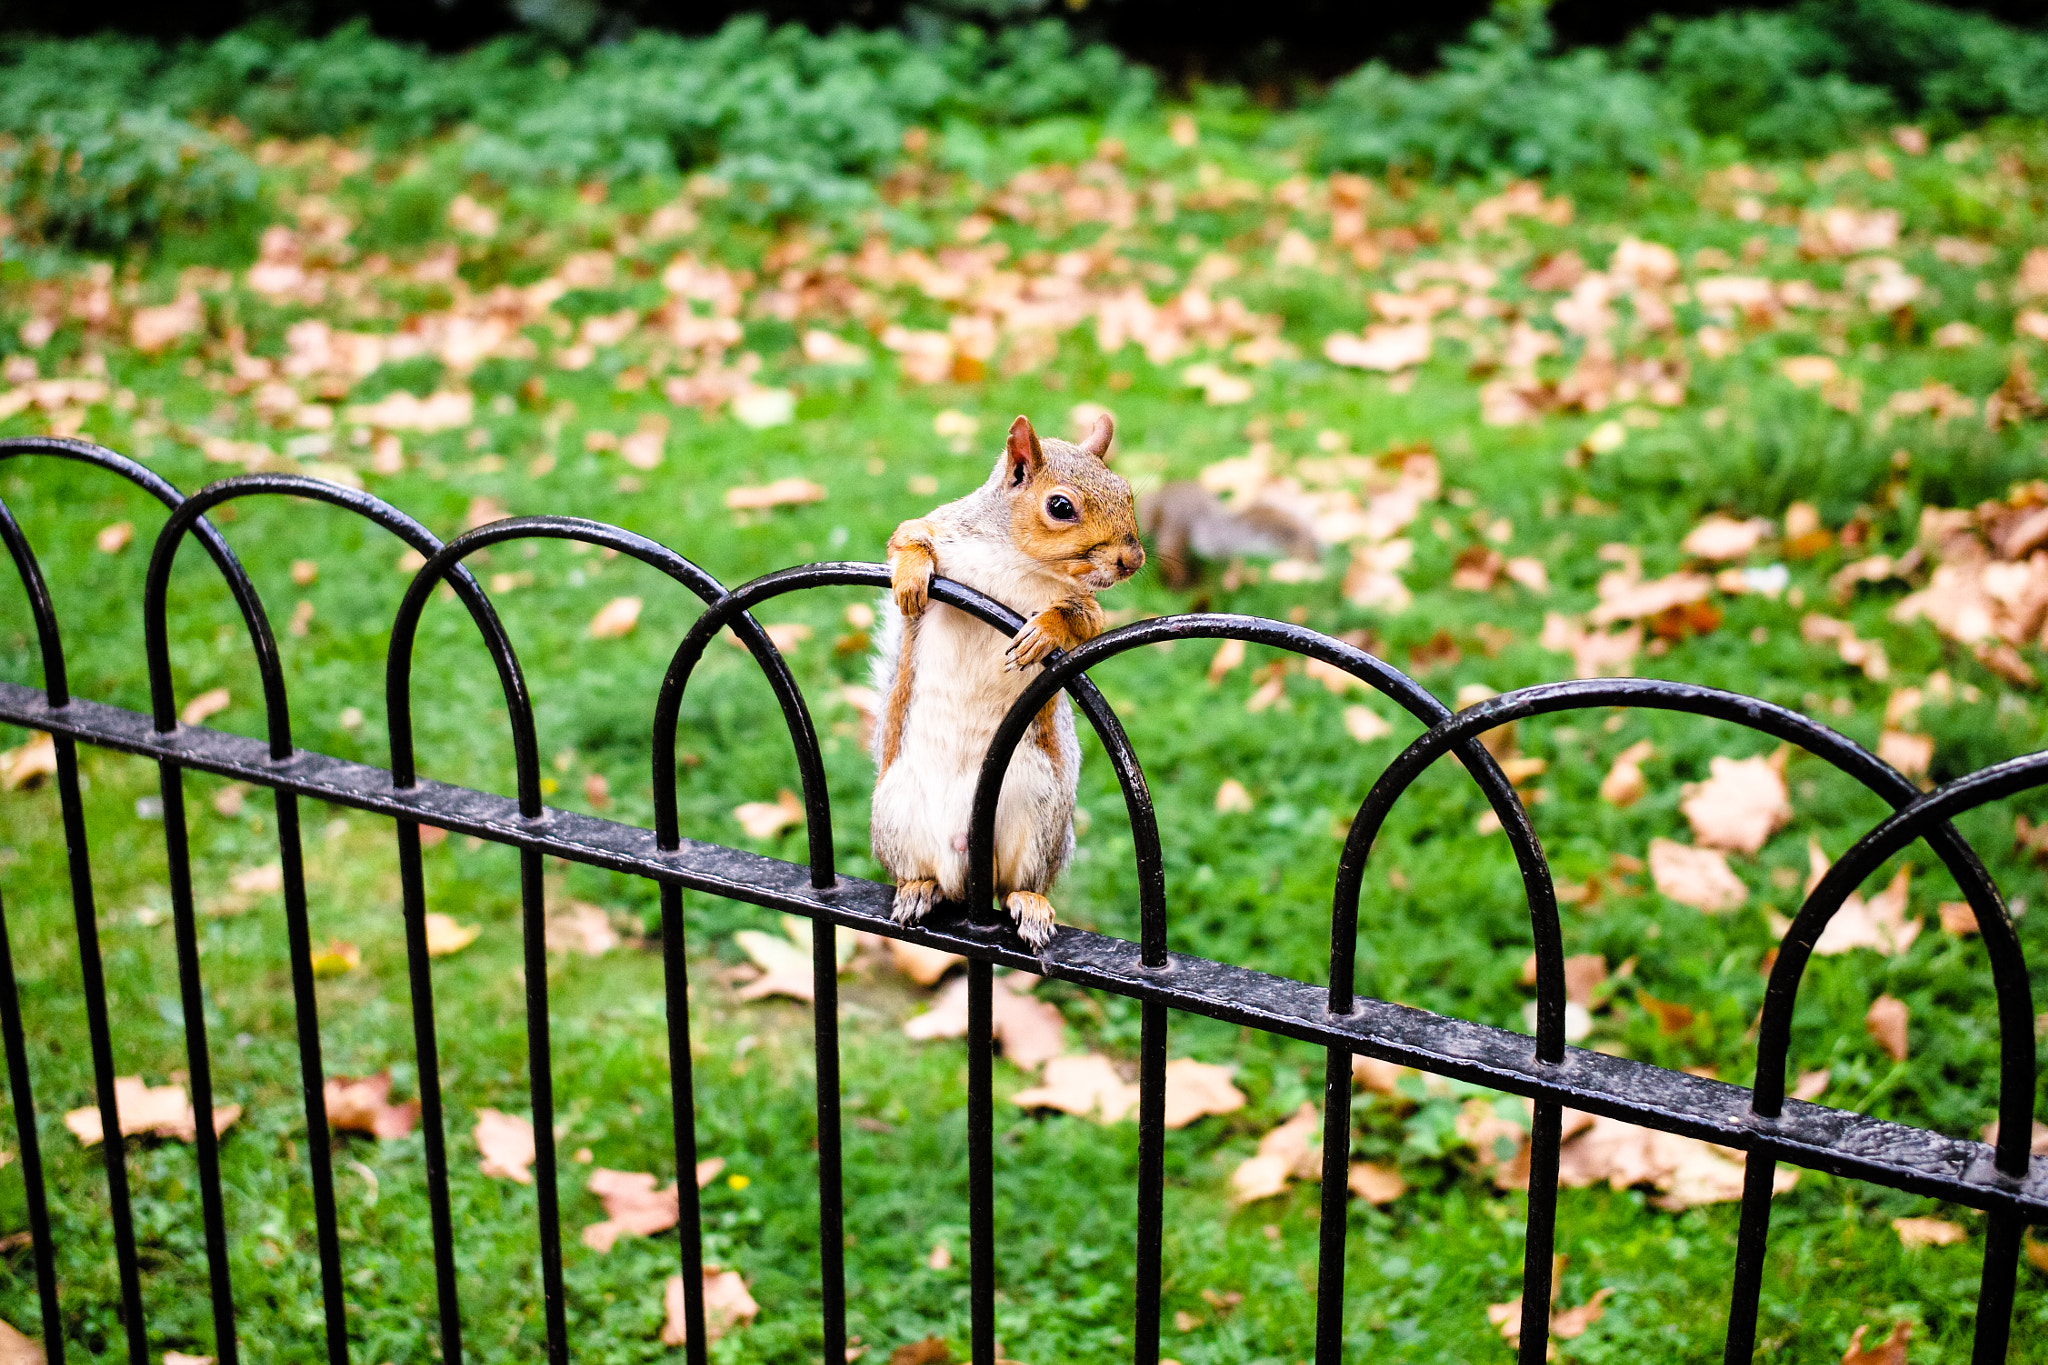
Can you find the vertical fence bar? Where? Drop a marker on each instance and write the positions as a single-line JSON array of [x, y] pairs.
[[31, 1152], [427, 1060], [1151, 1177], [831, 1193], [1336, 1211], [981, 1197], [1752, 1237], [312, 1078], [540, 1082], [198, 1063], [2002, 1233], [93, 980], [683, 1112], [1540, 1240]]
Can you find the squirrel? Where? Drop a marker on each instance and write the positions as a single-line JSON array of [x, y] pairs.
[[1187, 522], [1050, 528]]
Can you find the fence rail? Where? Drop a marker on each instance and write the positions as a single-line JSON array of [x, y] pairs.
[[1760, 1121]]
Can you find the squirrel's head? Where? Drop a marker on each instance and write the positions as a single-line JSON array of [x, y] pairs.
[[1067, 510]]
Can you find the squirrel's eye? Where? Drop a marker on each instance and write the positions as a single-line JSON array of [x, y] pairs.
[[1060, 508]]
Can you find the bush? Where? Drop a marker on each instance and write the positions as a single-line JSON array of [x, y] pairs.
[[102, 179], [1502, 103]]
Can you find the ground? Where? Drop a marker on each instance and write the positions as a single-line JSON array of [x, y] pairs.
[[636, 356]]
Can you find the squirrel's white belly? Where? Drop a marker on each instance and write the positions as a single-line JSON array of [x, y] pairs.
[[924, 800]]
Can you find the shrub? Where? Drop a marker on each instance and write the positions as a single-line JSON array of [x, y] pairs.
[[1502, 103], [101, 179]]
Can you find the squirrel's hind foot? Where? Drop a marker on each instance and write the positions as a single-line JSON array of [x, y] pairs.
[[1033, 914], [914, 900]]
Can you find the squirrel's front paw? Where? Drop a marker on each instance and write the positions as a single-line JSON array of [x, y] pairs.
[[914, 900], [1033, 914], [910, 581], [1027, 647]]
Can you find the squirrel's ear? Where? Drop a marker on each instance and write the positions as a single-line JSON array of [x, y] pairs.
[[1022, 452], [1096, 442]]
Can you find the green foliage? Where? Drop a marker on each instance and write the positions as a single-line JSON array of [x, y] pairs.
[[100, 178], [1502, 102]]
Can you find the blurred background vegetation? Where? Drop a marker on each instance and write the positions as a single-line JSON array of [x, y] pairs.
[[117, 120]]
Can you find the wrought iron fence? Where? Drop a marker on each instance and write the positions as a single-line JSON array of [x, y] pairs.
[[1761, 1121]]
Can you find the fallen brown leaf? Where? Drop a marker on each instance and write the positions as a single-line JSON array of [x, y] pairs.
[[921, 964], [768, 819], [445, 936], [580, 927], [1928, 1232], [208, 703], [29, 764], [17, 1348], [2037, 1138], [789, 492], [162, 1110], [1087, 1086], [1031, 1031], [1376, 1184], [1879, 923], [181, 1358], [1378, 1076], [1957, 917], [1891, 1351], [1625, 784], [930, 1351], [615, 619], [504, 1142], [1285, 1153], [1232, 798], [1699, 877], [727, 1305], [941, 1257], [1739, 806], [1886, 1022], [1365, 725], [113, 539], [1573, 1322], [1811, 1085], [362, 1104], [785, 966], [336, 959], [632, 1205], [1687, 1172], [1194, 1089]]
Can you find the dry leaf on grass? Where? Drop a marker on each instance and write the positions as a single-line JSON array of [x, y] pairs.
[[1686, 1171], [1376, 1184], [1228, 656], [1377, 1076], [1232, 798], [579, 927], [160, 1110], [1721, 538], [1928, 1232], [445, 936], [930, 1351], [1739, 806], [1196, 1088], [1573, 1322], [113, 539], [1386, 347], [1625, 784], [18, 1348], [1886, 1022], [1286, 1153], [1879, 923], [1622, 600], [1811, 1085], [1890, 1351], [781, 493], [1031, 1031], [29, 764], [1087, 1086], [181, 1358], [633, 1205], [727, 1305], [615, 619], [1365, 725], [504, 1142], [2037, 1139], [768, 819], [336, 959], [1911, 754], [921, 964], [208, 703], [362, 1104], [1699, 877], [1957, 917], [785, 966]]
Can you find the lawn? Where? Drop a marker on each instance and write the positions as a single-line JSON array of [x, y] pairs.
[[1591, 380]]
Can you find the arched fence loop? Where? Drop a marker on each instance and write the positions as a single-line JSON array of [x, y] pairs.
[[1333, 1014]]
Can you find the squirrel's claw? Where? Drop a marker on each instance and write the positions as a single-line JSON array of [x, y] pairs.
[[910, 584], [1027, 647], [914, 900], [1034, 917]]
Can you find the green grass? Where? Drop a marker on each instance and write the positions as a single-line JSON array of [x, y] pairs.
[[1449, 933]]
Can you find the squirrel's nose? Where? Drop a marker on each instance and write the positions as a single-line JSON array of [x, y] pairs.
[[1131, 557]]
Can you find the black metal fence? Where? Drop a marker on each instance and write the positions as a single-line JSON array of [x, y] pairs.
[[1761, 1121]]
